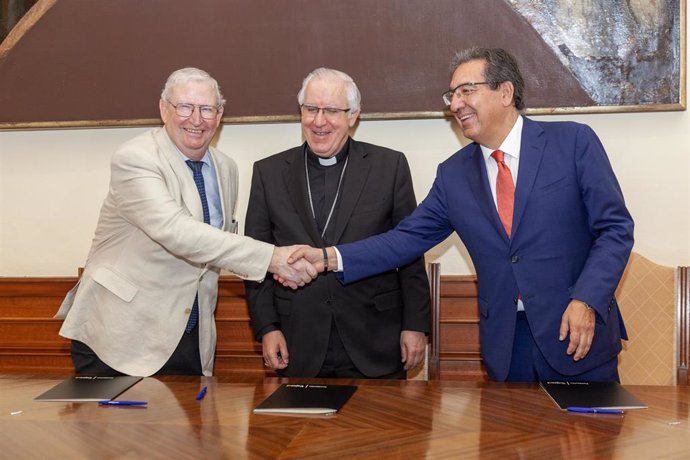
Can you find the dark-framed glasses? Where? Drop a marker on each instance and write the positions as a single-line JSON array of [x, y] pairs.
[[311, 111], [462, 90], [184, 110]]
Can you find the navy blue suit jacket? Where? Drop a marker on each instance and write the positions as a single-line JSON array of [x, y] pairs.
[[572, 237]]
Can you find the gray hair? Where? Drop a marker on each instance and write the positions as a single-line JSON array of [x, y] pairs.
[[188, 74], [354, 98], [500, 66]]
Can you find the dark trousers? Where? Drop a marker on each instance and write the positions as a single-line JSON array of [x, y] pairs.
[[185, 359], [528, 364], [339, 365]]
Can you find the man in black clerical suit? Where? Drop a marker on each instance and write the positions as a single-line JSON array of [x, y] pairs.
[[330, 190]]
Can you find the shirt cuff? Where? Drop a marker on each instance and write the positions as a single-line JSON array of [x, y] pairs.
[[339, 258]]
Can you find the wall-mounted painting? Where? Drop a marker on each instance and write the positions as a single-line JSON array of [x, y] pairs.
[[83, 63]]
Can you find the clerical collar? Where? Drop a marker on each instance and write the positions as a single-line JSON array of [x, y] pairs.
[[340, 156], [328, 161]]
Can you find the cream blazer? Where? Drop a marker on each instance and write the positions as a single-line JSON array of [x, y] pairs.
[[150, 255]]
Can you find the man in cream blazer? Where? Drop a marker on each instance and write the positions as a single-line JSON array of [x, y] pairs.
[[152, 253]]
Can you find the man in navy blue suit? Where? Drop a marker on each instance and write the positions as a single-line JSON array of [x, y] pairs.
[[540, 212]]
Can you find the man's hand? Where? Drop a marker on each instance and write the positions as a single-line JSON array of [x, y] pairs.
[[275, 350], [412, 348], [292, 275], [310, 256], [315, 257], [579, 320]]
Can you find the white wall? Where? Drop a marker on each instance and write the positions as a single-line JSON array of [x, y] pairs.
[[52, 182]]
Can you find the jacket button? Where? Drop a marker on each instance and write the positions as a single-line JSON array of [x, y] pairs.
[[515, 259], [187, 311]]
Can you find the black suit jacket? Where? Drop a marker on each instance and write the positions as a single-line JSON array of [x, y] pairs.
[[376, 194]]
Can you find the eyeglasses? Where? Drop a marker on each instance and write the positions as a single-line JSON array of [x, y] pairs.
[[331, 113], [462, 90], [184, 110]]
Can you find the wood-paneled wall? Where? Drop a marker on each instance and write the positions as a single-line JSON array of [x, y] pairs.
[[30, 344], [29, 340], [458, 329]]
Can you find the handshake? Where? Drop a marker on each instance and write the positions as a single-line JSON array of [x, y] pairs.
[[297, 265]]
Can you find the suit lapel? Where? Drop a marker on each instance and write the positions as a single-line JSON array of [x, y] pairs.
[[531, 153], [476, 175], [296, 182], [188, 190], [226, 186], [353, 183]]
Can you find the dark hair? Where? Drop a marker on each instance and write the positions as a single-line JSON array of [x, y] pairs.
[[500, 67]]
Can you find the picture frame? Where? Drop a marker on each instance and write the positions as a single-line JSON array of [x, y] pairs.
[[80, 63]]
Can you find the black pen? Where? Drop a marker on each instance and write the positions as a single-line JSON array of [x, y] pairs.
[[201, 394]]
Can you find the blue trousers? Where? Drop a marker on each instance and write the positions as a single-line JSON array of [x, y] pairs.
[[527, 363]]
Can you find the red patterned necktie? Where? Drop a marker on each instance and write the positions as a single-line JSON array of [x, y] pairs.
[[505, 192]]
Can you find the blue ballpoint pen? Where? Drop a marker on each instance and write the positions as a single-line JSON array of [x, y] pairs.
[[201, 394], [594, 410], [121, 402]]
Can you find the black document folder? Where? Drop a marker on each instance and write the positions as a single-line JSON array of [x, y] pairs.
[[306, 399], [595, 395], [82, 388]]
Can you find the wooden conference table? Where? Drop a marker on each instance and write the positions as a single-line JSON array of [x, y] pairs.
[[384, 419]]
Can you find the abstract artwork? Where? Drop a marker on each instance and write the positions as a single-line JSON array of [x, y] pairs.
[[622, 52]]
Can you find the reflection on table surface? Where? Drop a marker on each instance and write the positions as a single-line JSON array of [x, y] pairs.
[[384, 419]]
